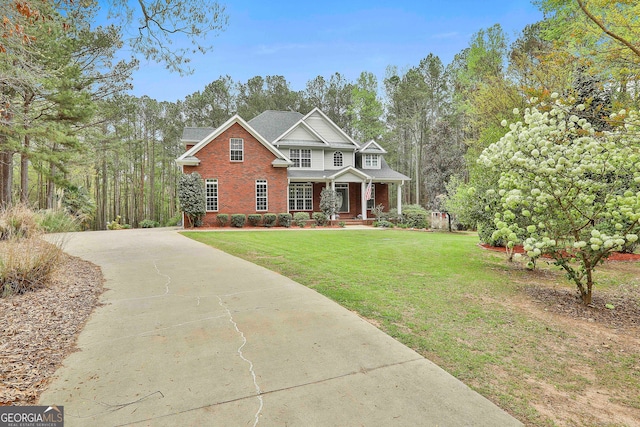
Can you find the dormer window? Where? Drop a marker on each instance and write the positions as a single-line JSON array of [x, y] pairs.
[[337, 159], [371, 161]]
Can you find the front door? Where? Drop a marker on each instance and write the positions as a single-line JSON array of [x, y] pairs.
[[343, 189]]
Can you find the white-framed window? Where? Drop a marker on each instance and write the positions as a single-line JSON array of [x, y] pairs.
[[300, 197], [343, 189], [371, 161], [211, 194], [261, 195], [337, 158], [300, 157], [371, 203], [236, 149]]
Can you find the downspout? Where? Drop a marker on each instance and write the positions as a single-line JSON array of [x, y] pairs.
[[288, 195]]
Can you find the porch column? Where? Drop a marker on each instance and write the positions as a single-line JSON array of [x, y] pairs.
[[333, 188], [363, 199], [399, 202]]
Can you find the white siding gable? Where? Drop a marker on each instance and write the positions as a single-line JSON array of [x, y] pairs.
[[299, 133], [325, 129], [349, 177], [347, 159]]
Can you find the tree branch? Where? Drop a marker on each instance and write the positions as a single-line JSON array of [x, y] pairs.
[[611, 34]]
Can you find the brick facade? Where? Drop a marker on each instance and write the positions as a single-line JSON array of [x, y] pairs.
[[237, 180]]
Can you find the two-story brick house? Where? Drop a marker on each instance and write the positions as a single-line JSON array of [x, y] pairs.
[[281, 160]]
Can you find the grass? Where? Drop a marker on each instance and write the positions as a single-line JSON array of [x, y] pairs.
[[457, 305]]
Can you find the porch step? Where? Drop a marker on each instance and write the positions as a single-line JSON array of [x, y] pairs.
[[352, 221]]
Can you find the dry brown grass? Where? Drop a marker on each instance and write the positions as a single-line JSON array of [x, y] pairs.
[[26, 261]]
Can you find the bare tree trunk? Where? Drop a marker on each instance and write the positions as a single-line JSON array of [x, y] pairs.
[[24, 171], [6, 175], [51, 187]]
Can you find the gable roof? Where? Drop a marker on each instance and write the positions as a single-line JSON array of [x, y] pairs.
[[195, 134], [308, 129], [189, 157], [373, 148], [271, 124], [303, 122], [337, 128]]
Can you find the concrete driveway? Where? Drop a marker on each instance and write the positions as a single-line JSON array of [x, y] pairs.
[[191, 336]]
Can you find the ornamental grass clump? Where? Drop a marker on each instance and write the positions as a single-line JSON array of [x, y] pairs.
[[26, 261], [566, 190]]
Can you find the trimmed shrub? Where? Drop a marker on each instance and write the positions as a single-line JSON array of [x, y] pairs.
[[223, 219], [392, 215], [301, 218], [320, 218], [383, 224], [149, 223], [269, 220], [284, 220], [238, 220], [415, 216], [342, 224], [254, 219]]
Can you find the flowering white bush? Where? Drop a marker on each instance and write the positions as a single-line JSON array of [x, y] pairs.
[[566, 190]]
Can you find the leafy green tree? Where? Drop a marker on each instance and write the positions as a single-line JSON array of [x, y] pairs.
[[566, 190], [260, 94], [213, 106], [366, 109], [333, 97], [424, 136]]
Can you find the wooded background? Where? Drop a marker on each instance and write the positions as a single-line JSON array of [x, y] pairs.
[[70, 136]]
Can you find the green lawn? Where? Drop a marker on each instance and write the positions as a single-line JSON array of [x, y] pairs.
[[453, 302]]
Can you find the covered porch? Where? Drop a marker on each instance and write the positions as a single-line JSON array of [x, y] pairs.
[[353, 184]]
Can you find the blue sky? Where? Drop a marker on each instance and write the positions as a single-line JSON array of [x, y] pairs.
[[301, 40]]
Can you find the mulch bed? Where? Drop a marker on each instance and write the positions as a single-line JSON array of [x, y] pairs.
[[625, 302], [39, 329], [616, 256]]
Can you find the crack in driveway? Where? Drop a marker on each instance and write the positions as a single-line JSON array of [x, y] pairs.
[[253, 374]]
